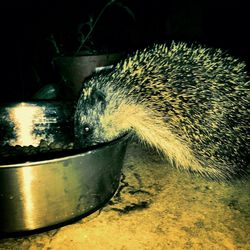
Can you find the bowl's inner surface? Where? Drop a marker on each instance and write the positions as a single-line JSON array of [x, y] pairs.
[[35, 130]]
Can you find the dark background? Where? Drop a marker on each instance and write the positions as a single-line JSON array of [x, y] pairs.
[[26, 26]]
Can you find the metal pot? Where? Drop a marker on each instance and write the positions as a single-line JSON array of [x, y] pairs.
[[38, 194], [75, 69]]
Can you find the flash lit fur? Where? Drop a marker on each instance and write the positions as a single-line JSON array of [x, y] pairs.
[[189, 103], [150, 128]]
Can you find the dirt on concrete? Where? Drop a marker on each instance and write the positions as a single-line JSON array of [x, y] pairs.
[[155, 207]]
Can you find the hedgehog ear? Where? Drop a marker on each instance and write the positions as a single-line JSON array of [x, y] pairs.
[[98, 97]]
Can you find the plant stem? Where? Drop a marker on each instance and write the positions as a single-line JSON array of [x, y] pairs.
[[92, 28]]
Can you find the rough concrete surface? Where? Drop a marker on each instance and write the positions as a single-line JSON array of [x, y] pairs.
[[155, 207]]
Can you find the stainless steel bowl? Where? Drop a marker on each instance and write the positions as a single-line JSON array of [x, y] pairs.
[[38, 194]]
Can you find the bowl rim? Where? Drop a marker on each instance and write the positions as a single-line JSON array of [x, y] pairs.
[[76, 154]]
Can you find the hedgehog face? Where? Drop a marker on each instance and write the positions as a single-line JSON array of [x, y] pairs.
[[98, 119], [88, 129], [87, 132]]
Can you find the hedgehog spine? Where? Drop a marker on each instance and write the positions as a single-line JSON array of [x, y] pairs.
[[185, 102]]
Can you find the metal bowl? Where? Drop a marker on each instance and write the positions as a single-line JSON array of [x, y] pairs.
[[38, 194]]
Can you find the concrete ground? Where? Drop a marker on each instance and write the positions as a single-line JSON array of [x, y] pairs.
[[155, 207]]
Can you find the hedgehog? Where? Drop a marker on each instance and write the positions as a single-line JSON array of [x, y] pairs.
[[189, 102]]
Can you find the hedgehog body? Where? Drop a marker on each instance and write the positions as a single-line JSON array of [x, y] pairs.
[[190, 103]]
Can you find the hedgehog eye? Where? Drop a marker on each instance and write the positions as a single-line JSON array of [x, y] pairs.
[[87, 129]]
